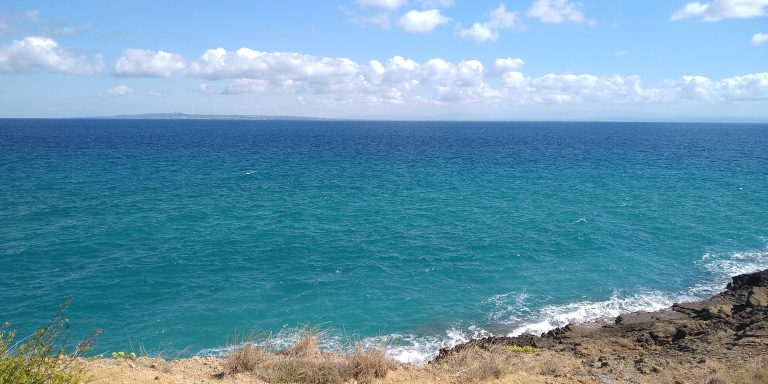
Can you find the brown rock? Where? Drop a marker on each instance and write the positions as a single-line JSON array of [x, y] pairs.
[[724, 310], [758, 297]]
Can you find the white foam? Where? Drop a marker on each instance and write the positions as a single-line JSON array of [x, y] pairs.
[[413, 349], [551, 317], [510, 309]]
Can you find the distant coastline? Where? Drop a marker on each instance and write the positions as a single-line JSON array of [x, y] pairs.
[[186, 116]]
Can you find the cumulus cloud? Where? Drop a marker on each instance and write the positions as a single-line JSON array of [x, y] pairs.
[[504, 65], [557, 11], [616, 89], [417, 22], [722, 9], [36, 54], [759, 38], [282, 69], [399, 80], [120, 90], [145, 63], [498, 19]]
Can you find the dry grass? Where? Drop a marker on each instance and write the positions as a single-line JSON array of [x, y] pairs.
[[475, 364], [244, 358], [307, 346], [549, 366], [368, 365], [293, 370], [303, 361], [753, 373]]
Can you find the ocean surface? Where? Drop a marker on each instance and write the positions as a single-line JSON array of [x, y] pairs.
[[173, 235]]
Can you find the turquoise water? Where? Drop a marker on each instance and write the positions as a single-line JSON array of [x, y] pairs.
[[175, 234]]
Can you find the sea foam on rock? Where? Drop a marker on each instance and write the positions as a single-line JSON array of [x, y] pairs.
[[729, 327]]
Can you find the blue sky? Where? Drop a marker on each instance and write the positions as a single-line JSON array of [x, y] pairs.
[[388, 59]]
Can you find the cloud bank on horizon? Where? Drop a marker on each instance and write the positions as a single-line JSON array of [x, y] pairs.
[[52, 68]]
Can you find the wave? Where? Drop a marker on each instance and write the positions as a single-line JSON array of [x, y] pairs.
[[718, 267], [514, 317]]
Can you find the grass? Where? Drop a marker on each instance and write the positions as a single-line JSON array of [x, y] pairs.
[[754, 372], [42, 358], [368, 365], [244, 356], [475, 364], [303, 361]]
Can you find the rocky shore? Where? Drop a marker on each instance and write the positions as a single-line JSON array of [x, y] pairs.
[[723, 339], [685, 343]]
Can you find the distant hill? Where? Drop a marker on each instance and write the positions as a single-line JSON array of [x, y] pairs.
[[184, 116]]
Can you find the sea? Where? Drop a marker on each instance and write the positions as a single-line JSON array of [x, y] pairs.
[[175, 236]]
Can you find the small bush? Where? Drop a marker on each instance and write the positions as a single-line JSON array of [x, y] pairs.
[[123, 356], [244, 356], [42, 358], [366, 365]]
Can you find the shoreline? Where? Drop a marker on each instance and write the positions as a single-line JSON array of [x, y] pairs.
[[723, 337]]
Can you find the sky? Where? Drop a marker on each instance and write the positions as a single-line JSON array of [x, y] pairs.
[[653, 60]]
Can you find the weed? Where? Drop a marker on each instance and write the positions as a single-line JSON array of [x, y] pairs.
[[42, 358]]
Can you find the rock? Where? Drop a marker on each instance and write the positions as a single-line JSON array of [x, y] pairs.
[[662, 334], [756, 279], [723, 310], [758, 297], [605, 380], [756, 333]]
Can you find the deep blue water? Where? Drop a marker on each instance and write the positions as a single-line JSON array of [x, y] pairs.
[[175, 234]]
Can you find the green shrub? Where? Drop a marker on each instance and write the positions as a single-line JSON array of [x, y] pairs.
[[41, 358], [519, 349]]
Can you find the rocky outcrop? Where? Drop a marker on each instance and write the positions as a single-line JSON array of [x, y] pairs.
[[728, 327]]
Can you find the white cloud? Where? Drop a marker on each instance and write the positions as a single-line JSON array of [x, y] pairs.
[[557, 11], [759, 38], [504, 65], [393, 5], [403, 81], [32, 21], [145, 63], [586, 88], [479, 33], [120, 90], [620, 53], [246, 86], [722, 9], [390, 5], [498, 19], [437, 3], [35, 54], [422, 21], [277, 68], [207, 88]]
